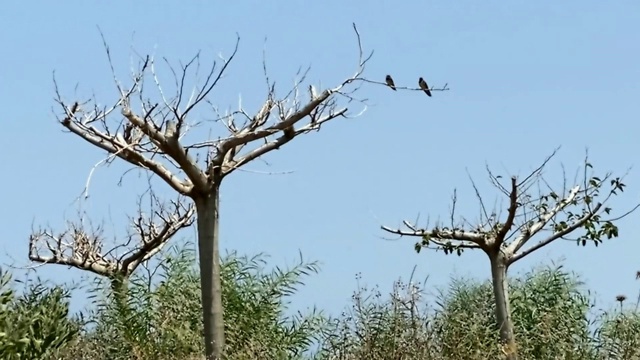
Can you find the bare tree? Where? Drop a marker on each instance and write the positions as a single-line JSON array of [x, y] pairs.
[[575, 214], [152, 135], [82, 246]]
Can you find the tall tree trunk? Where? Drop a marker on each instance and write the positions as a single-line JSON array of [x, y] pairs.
[[207, 207], [503, 309]]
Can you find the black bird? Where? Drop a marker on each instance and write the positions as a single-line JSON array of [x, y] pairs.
[[424, 86], [127, 132], [389, 82]]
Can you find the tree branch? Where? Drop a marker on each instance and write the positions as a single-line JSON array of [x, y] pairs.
[[116, 147], [544, 218], [275, 144], [170, 145], [82, 248], [437, 234], [578, 224], [513, 207], [320, 108]]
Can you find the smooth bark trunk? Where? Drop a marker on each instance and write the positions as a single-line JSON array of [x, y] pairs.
[[503, 310], [210, 286]]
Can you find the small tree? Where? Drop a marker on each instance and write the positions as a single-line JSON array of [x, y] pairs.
[[562, 214], [151, 135], [84, 247]]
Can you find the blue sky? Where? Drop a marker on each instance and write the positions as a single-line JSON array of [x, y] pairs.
[[525, 77]]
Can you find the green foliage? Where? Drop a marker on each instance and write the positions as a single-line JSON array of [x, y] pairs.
[[375, 327], [595, 227], [157, 316], [549, 311], [143, 319], [254, 308], [465, 323], [36, 323], [618, 336]]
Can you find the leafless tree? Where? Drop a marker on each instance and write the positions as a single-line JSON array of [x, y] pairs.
[[150, 131], [537, 215], [82, 246]]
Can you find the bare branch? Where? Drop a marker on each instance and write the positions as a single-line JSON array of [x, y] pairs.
[[119, 148], [538, 170], [513, 208], [81, 247], [151, 139], [169, 144], [320, 108], [490, 219]]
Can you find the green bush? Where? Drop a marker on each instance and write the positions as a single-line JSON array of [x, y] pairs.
[[36, 323], [618, 336], [162, 319], [156, 315], [549, 306], [549, 309]]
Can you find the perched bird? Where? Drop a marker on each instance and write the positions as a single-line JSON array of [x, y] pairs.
[[127, 132], [389, 82], [424, 86], [289, 132]]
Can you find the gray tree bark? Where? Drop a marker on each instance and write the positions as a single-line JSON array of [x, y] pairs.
[[207, 210], [503, 311]]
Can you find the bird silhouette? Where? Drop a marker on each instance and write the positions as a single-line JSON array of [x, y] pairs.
[[389, 82], [127, 132], [424, 86]]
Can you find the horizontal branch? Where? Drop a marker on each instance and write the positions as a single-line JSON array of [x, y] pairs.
[[437, 234], [250, 136], [81, 249], [123, 151], [441, 244], [277, 143], [96, 265]]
